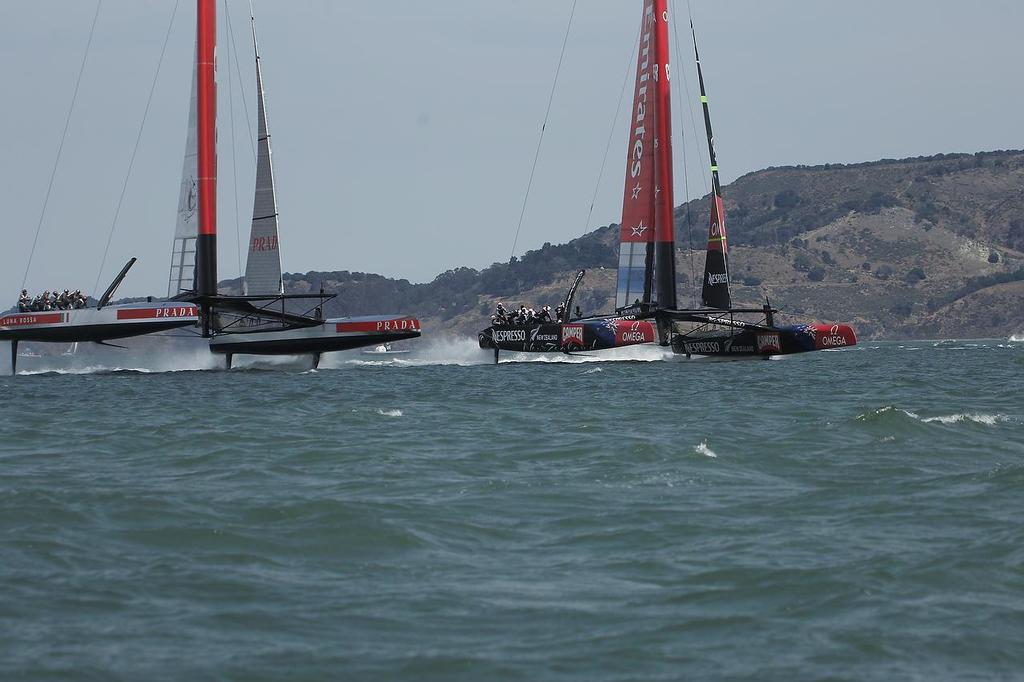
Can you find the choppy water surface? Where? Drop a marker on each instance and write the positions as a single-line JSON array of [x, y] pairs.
[[841, 515]]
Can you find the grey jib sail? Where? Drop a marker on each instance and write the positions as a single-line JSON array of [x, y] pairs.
[[186, 231], [263, 266]]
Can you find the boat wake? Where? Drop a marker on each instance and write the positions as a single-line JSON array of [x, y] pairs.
[[123, 362], [466, 352]]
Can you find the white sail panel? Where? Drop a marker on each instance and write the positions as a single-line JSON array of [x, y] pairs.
[[263, 265], [183, 253]]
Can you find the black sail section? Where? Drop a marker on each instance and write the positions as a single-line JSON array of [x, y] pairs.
[[715, 291]]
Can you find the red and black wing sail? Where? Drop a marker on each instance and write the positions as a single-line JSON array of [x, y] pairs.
[[715, 292], [646, 240]]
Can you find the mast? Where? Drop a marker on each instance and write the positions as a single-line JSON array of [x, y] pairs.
[[715, 292], [664, 232], [206, 124], [646, 240], [263, 265]]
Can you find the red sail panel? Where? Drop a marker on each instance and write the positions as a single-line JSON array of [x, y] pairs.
[[716, 233], [206, 33], [638, 203], [637, 232]]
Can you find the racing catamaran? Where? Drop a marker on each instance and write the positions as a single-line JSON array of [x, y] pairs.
[[99, 325], [263, 319], [720, 330], [645, 300]]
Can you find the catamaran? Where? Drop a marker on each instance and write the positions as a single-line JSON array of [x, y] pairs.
[[100, 325], [645, 301], [263, 320]]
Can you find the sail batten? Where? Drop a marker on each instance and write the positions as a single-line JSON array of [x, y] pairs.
[[263, 264]]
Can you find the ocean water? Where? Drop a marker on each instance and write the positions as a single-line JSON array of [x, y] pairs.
[[854, 515]]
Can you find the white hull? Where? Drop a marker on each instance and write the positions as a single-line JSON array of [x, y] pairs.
[[341, 333], [90, 324]]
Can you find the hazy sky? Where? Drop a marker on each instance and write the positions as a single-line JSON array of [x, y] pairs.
[[403, 131]]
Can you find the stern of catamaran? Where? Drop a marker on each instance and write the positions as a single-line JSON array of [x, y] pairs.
[[322, 336]]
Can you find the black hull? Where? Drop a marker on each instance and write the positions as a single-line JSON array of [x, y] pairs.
[[580, 335], [763, 343]]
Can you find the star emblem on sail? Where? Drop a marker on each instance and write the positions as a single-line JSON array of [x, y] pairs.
[[638, 231], [637, 190]]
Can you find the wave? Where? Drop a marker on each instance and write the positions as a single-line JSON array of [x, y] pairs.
[[702, 449], [1017, 337], [389, 413], [890, 412], [986, 419]]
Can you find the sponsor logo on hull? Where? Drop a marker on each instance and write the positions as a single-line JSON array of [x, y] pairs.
[[26, 319], [398, 325], [509, 335], [768, 343], [702, 347], [572, 334], [632, 332], [173, 312], [835, 336]]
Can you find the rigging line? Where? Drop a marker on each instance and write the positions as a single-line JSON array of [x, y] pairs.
[[135, 149], [234, 164], [241, 82], [689, 103], [686, 178], [60, 147], [543, 127], [611, 132]]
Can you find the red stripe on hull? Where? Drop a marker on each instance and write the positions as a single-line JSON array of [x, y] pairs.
[[403, 324], [30, 319], [151, 313]]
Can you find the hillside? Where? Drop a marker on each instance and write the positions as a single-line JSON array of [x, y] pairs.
[[911, 248]]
